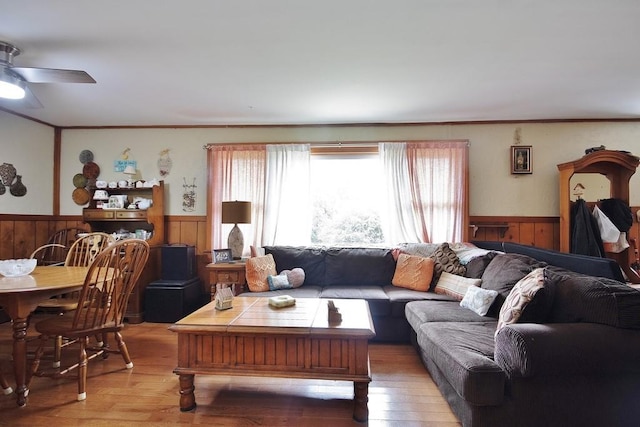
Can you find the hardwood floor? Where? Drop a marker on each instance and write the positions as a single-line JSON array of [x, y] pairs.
[[401, 393]]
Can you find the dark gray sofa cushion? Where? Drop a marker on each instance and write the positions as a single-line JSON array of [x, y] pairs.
[[376, 297], [503, 272], [359, 267], [421, 312], [581, 298], [477, 265], [561, 349], [310, 259], [399, 297], [464, 350]]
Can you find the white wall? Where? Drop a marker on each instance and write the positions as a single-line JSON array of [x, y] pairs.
[[28, 146], [494, 191]]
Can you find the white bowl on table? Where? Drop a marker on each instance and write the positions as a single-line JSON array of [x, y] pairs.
[[17, 267]]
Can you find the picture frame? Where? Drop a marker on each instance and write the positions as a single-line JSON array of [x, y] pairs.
[[521, 159], [222, 255]]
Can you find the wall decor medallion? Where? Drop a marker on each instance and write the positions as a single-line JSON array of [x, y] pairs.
[[521, 159], [7, 173], [86, 156], [80, 196], [91, 170]]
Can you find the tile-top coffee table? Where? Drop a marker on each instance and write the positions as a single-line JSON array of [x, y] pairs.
[[255, 339]]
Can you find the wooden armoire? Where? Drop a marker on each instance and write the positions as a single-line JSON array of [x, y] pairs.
[[617, 167]]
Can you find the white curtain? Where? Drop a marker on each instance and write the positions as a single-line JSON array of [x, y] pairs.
[[426, 193], [287, 210], [399, 222]]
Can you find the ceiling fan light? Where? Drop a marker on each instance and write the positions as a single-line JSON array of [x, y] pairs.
[[11, 87]]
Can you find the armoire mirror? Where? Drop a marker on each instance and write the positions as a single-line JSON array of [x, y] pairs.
[[590, 187]]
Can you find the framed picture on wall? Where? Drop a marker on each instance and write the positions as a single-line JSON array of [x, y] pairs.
[[222, 255], [521, 159]]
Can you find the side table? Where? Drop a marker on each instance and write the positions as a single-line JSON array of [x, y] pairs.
[[227, 274]]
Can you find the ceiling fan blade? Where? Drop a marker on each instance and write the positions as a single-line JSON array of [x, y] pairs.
[[30, 100], [52, 75]]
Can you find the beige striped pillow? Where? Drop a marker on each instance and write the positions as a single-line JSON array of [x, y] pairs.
[[455, 286]]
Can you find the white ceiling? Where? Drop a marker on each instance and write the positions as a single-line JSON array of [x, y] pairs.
[[218, 62]]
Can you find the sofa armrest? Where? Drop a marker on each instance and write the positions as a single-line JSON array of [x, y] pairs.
[[531, 349]]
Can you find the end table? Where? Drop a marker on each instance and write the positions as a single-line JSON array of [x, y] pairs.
[[227, 274]]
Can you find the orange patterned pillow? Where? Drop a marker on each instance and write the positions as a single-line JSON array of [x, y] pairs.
[[413, 272], [258, 269]]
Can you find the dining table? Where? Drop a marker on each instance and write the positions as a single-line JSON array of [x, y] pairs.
[[20, 296]]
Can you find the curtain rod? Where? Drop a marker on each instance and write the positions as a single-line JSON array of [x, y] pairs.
[[340, 144]]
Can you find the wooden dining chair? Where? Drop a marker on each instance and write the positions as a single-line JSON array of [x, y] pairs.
[[101, 308], [81, 253], [54, 252]]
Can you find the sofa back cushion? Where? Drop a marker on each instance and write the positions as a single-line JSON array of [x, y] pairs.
[[309, 259], [582, 298], [503, 272], [359, 267]]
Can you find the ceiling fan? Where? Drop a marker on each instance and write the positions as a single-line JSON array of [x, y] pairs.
[[13, 80]]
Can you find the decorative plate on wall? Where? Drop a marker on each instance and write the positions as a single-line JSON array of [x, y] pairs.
[[86, 156], [79, 180], [80, 196], [91, 170]]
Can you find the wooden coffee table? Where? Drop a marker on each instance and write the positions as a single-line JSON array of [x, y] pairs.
[[255, 339]]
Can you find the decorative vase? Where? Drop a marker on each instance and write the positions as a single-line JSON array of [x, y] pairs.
[[18, 189], [7, 173]]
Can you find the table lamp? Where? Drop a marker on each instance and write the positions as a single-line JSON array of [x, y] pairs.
[[236, 213]]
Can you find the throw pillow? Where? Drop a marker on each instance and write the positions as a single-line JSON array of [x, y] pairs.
[[445, 259], [413, 272], [257, 271], [466, 251], [478, 299], [530, 288], [454, 286], [278, 282], [295, 276]]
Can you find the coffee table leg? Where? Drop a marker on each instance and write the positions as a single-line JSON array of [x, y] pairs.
[[187, 398], [360, 400]]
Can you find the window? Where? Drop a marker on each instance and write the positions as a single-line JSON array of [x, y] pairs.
[[346, 196]]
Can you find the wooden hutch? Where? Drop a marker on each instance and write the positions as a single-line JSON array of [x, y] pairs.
[[617, 167], [150, 220]]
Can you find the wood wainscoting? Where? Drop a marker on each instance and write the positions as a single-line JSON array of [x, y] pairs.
[[540, 231]]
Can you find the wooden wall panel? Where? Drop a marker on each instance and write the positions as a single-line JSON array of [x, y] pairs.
[[6, 240], [542, 232]]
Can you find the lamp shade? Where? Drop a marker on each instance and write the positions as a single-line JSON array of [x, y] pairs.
[[236, 212], [130, 170]]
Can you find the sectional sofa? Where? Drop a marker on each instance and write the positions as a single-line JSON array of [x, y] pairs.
[[569, 357]]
